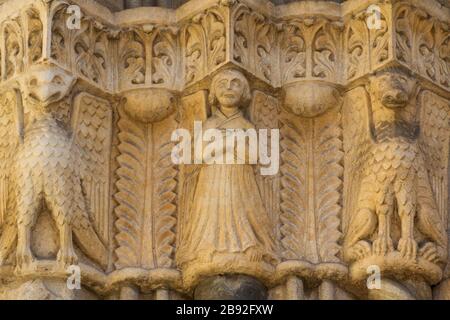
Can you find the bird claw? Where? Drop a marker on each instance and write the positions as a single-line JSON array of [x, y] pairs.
[[408, 248], [382, 245], [24, 259], [429, 252], [67, 258]]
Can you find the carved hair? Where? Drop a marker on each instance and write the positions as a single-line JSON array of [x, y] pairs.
[[246, 96]]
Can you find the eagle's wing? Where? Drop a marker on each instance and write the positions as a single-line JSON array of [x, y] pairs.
[[193, 108], [92, 131], [357, 141], [11, 126], [434, 144], [264, 112]]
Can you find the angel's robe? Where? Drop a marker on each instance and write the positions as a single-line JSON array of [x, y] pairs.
[[226, 215]]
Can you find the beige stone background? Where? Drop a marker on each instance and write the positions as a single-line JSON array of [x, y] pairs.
[[360, 93]]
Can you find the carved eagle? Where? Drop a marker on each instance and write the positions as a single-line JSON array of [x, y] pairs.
[[42, 163]]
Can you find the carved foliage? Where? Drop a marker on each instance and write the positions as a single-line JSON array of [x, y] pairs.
[[90, 52], [131, 67], [14, 48], [148, 58], [311, 183], [422, 43], [367, 42], [85, 50], [357, 52], [204, 39], [310, 48], [35, 36], [130, 195], [146, 211], [60, 39], [254, 42], [164, 57]]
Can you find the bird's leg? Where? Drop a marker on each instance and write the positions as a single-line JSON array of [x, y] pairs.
[[407, 245], [24, 257], [27, 208], [383, 244], [66, 254]]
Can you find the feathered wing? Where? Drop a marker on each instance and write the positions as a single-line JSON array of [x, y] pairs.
[[92, 130], [434, 145], [10, 133], [264, 112], [357, 142], [193, 108]]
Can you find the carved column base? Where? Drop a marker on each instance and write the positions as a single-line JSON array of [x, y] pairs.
[[230, 287]]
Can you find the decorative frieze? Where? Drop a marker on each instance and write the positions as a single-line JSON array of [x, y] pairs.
[[356, 97]]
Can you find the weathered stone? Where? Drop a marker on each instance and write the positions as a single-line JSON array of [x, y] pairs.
[[230, 287], [100, 115]]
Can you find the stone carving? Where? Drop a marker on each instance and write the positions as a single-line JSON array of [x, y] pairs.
[[148, 57], [14, 51], [360, 183], [90, 50], [367, 47], [204, 40], [225, 236], [394, 150], [46, 167], [311, 176], [85, 49], [132, 68], [35, 30], [254, 37], [422, 43], [146, 217], [310, 49], [264, 114]]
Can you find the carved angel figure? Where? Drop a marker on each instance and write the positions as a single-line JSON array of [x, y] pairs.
[[394, 171], [42, 165], [225, 217]]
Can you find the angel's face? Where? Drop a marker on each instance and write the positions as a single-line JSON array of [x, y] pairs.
[[392, 89], [229, 89], [46, 85]]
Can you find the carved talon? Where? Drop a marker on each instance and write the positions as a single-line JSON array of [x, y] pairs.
[[382, 246], [24, 259], [254, 254], [67, 257], [429, 252], [408, 248], [361, 250]]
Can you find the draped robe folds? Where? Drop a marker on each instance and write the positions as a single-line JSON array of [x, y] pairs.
[[226, 216]]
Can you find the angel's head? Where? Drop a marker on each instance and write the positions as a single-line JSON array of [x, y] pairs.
[[44, 85], [229, 89], [392, 87]]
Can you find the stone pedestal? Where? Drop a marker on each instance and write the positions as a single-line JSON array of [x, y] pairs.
[[230, 287]]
